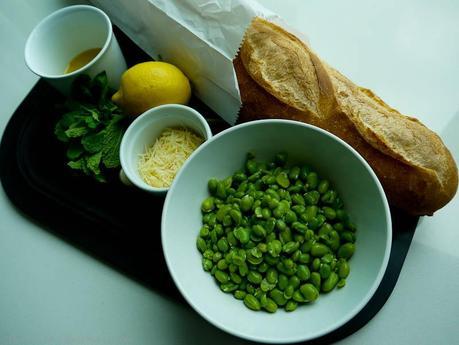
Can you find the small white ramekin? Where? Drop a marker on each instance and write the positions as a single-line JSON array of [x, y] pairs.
[[145, 129]]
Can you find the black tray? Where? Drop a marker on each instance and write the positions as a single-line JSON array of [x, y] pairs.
[[116, 224]]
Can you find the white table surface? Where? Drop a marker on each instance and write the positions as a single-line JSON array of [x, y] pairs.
[[408, 52]]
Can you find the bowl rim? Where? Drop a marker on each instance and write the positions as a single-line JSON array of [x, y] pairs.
[[132, 129], [333, 326]]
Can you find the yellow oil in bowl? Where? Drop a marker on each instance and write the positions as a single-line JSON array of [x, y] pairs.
[[81, 60]]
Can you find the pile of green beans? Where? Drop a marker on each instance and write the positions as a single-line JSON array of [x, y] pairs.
[[275, 236]]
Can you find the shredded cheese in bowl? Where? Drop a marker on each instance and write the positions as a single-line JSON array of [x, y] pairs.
[[159, 164]]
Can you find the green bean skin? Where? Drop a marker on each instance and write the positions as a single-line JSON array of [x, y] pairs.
[[319, 250], [296, 254], [315, 264], [208, 205], [325, 229], [278, 297], [221, 276], [290, 217], [250, 289], [294, 281], [341, 283], [312, 197], [322, 188], [344, 270], [316, 280], [288, 292], [282, 180], [298, 199], [204, 232], [254, 277], [207, 264], [228, 287], [290, 247], [243, 270], [201, 244], [304, 258], [291, 306], [274, 248], [330, 283], [266, 286], [222, 245], [303, 272], [348, 236], [270, 306], [329, 197], [281, 225], [329, 213], [346, 250], [235, 278], [324, 271], [240, 294], [272, 276], [282, 282], [252, 302], [242, 234], [222, 265], [275, 236], [259, 231], [298, 297], [309, 292]]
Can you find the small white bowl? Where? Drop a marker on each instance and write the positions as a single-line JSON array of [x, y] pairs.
[[144, 130], [332, 158]]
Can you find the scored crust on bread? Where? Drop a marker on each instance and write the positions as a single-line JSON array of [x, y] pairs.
[[281, 77]]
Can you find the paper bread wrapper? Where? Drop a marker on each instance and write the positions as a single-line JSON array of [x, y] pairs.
[[201, 37]]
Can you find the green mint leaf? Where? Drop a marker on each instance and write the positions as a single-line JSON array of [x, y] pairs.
[[92, 112], [77, 165], [81, 164], [92, 128], [94, 161], [74, 151], [90, 122], [76, 132], [112, 140], [93, 142]]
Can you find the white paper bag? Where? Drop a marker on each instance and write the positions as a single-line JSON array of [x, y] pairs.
[[201, 37]]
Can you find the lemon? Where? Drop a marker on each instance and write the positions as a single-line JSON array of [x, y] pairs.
[[149, 84]]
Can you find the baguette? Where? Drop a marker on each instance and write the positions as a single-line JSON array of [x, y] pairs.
[[279, 76]]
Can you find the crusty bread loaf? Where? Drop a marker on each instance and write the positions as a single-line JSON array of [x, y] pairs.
[[281, 77]]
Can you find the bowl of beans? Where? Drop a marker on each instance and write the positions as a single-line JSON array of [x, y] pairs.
[[276, 231]]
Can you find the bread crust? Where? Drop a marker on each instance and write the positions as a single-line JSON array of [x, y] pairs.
[[279, 76]]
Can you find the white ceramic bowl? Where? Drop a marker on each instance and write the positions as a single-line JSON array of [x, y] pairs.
[[332, 158], [144, 130]]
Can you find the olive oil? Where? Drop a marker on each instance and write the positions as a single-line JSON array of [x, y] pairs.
[[81, 60]]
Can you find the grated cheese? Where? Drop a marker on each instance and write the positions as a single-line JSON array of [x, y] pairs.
[[161, 162]]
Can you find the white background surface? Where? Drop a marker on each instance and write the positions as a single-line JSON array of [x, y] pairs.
[[407, 52]]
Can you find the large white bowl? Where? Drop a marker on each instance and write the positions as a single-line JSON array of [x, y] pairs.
[[332, 158]]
